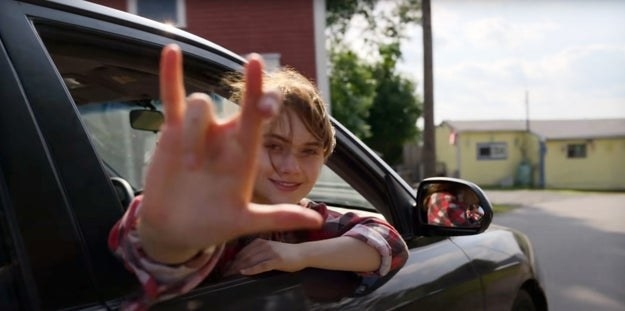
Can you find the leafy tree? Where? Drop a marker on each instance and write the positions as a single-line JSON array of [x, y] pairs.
[[352, 91], [384, 19], [370, 98], [340, 12], [395, 109]]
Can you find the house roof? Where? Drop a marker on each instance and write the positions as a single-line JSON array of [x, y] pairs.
[[548, 129]]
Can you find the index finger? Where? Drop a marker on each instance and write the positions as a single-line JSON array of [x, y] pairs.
[[171, 84]]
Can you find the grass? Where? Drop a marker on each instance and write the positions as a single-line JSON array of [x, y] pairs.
[[502, 208]]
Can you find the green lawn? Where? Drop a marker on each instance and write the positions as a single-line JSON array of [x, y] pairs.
[[502, 208]]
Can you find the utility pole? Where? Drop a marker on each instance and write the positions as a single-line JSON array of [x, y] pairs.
[[428, 153], [527, 111]]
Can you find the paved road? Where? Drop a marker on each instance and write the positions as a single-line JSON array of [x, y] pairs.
[[579, 240]]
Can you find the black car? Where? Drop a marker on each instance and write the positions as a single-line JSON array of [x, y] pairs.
[[79, 120]]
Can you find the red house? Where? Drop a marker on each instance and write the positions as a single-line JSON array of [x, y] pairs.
[[285, 32]]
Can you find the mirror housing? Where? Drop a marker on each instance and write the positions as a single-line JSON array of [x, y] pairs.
[[146, 120], [451, 206]]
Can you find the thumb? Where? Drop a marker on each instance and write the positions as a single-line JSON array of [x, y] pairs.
[[280, 217]]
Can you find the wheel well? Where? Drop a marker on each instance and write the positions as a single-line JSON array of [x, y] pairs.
[[537, 294]]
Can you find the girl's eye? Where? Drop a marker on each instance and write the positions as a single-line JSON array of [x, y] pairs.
[[273, 147], [310, 151]]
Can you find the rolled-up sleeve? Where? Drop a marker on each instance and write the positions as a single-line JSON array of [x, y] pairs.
[[159, 281], [376, 232]]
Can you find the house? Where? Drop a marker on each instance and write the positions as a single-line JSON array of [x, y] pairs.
[[571, 154], [285, 32]]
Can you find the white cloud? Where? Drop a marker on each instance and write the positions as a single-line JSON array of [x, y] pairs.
[[487, 55], [498, 32]]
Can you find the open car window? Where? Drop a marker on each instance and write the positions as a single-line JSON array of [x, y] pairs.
[[336, 192], [109, 78]]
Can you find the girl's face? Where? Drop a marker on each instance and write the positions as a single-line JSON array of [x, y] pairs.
[[290, 161]]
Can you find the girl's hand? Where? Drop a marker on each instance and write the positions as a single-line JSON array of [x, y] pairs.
[[263, 255], [199, 182]]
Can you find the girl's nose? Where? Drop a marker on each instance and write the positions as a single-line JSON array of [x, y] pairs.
[[289, 164]]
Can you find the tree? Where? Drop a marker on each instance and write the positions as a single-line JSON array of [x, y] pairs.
[[369, 97], [395, 109], [352, 90], [384, 19]]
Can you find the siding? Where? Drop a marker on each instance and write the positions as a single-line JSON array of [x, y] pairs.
[[602, 168], [496, 171], [463, 156], [243, 26], [446, 152], [285, 27]]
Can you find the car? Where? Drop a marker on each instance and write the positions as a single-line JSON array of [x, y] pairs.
[[80, 117]]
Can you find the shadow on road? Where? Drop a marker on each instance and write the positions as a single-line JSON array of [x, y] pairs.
[[582, 263]]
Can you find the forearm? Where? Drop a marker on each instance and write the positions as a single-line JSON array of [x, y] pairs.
[[158, 279], [161, 252], [341, 253]]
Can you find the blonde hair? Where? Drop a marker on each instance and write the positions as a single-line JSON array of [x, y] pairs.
[[458, 190], [299, 96]]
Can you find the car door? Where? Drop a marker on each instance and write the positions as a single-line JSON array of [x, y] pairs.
[[58, 199], [92, 70]]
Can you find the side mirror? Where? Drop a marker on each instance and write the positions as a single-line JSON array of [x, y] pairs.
[[146, 120], [451, 206]]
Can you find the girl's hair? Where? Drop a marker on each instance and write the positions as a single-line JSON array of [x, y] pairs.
[[458, 190], [299, 96]]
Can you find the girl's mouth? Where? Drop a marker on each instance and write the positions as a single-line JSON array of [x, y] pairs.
[[284, 185]]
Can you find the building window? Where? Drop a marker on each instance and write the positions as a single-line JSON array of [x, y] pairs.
[[492, 151], [272, 61], [165, 11], [576, 151]]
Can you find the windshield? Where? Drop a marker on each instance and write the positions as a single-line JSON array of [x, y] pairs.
[[124, 150]]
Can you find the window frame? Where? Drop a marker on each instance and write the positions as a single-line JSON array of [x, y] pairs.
[[576, 151], [492, 146]]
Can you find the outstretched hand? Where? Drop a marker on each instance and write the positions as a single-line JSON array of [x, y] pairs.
[[199, 182]]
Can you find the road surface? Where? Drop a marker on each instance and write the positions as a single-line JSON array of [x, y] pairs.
[[579, 240]]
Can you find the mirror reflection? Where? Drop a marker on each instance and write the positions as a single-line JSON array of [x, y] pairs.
[[146, 120], [452, 205]]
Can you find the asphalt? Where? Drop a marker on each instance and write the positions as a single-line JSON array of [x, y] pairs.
[[579, 240]]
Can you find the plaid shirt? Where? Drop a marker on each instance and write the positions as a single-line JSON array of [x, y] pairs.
[[444, 209], [162, 282]]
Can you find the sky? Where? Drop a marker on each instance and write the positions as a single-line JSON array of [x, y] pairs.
[[565, 59]]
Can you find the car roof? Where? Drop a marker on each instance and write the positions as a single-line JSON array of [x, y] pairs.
[[86, 8]]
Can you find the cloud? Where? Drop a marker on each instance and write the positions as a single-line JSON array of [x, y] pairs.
[[569, 56], [585, 81], [481, 90], [498, 32], [592, 67]]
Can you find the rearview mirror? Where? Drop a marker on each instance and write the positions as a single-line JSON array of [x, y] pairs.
[[452, 206], [146, 120]]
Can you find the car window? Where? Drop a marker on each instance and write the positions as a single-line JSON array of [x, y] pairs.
[[108, 81], [336, 192], [126, 151]]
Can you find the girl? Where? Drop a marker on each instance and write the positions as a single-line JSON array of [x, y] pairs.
[[221, 196]]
